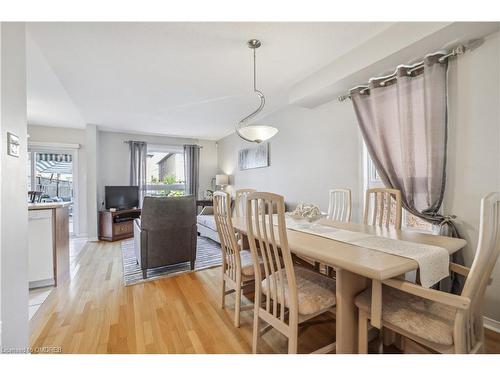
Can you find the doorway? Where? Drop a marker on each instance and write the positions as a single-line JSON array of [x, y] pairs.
[[52, 175]]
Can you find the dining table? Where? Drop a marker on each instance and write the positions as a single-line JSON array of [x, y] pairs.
[[357, 268]]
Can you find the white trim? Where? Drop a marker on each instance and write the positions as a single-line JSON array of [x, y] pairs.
[[53, 145], [491, 324]]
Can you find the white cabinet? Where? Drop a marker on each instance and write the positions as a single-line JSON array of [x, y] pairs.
[[41, 248]]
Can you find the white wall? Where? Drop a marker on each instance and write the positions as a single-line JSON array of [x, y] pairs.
[[474, 146], [113, 158], [51, 134], [314, 151], [13, 184]]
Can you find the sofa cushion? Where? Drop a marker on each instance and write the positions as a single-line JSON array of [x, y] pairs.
[[432, 321], [207, 221], [316, 292]]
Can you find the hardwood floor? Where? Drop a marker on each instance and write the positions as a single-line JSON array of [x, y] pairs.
[[94, 312]]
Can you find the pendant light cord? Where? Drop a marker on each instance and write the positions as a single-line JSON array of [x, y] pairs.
[[261, 97], [254, 71]]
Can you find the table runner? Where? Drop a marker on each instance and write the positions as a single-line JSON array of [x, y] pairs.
[[433, 261]]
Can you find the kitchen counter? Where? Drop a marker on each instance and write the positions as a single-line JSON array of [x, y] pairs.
[[48, 205], [48, 240]]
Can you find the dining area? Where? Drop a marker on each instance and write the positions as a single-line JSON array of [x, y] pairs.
[[376, 279]]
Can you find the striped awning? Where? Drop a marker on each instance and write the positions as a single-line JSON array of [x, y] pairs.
[[51, 157], [61, 167]]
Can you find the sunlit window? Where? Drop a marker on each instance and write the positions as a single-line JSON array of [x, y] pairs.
[[165, 174]]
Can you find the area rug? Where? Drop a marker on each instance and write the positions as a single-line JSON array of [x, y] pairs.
[[208, 255]]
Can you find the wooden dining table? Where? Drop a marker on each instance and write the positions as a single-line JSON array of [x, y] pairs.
[[356, 267]]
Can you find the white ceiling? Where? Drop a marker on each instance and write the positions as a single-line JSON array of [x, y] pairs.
[[181, 79]]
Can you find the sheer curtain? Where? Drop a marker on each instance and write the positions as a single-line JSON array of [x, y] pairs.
[[138, 154], [192, 169], [404, 126]]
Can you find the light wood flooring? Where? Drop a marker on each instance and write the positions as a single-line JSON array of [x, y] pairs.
[[93, 312]]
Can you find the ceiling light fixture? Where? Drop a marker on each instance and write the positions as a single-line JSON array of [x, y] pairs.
[[255, 132]]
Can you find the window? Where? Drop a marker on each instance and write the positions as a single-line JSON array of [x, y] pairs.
[[165, 174], [372, 180]]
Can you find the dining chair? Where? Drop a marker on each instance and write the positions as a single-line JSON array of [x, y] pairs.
[[237, 264], [240, 197], [285, 295], [444, 322], [339, 206], [380, 205]]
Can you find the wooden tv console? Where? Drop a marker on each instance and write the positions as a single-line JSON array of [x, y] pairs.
[[117, 225]]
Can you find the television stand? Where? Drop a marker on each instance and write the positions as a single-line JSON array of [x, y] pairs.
[[117, 225]]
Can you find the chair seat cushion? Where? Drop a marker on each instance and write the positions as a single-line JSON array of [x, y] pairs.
[[316, 292], [246, 263], [207, 221], [432, 321]]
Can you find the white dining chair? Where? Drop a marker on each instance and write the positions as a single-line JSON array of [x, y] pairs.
[[237, 264], [444, 322], [240, 200], [339, 206], [285, 294], [383, 208]]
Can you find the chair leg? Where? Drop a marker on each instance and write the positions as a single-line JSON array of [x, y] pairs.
[[293, 339], [363, 332], [192, 265], [223, 295], [237, 305], [256, 330], [388, 336], [399, 342], [145, 274]]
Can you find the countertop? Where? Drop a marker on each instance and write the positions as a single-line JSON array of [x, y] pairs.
[[48, 205]]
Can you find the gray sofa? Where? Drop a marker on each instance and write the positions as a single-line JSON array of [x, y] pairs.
[[206, 224], [166, 232]]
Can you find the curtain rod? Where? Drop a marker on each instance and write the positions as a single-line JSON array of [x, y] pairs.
[[127, 142], [458, 50]]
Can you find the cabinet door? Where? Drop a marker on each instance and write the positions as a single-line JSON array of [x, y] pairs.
[[41, 248]]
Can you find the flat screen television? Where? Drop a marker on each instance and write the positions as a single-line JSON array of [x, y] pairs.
[[121, 197]]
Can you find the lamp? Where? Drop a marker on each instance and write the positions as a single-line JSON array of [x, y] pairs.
[[222, 179], [255, 132]]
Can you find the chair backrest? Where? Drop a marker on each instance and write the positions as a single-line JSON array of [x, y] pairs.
[[269, 243], [487, 251], [383, 208], [231, 262], [168, 213], [240, 201], [339, 207]]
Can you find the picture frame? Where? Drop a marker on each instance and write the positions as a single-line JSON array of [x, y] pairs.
[[254, 157]]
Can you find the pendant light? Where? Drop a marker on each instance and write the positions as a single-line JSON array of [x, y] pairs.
[[255, 132]]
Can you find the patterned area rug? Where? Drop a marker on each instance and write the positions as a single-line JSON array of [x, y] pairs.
[[208, 255]]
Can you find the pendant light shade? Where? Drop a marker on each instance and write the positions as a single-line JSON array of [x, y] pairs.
[[255, 132], [258, 133]]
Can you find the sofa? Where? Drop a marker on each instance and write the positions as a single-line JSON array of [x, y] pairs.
[[205, 223], [166, 232]]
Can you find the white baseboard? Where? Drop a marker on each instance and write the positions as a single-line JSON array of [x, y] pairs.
[[491, 324]]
